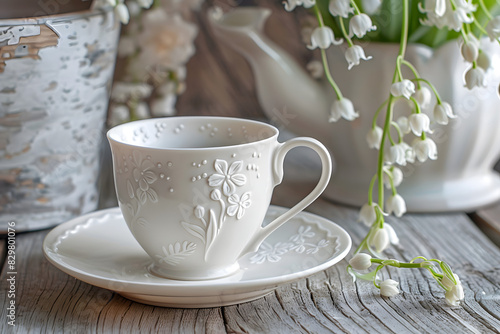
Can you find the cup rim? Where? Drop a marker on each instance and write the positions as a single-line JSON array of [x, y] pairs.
[[112, 136]]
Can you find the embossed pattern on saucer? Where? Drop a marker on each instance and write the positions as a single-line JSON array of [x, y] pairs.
[[99, 249]]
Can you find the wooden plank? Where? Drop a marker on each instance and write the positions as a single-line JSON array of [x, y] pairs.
[[51, 301]]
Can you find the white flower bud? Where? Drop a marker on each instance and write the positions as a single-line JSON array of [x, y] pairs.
[[397, 177], [215, 195], [403, 88], [443, 111], [470, 51], [423, 96], [374, 137], [354, 54], [360, 24], [393, 237], [396, 204], [380, 240], [361, 261], [199, 211], [323, 37], [419, 123], [389, 288], [475, 77], [145, 3], [342, 108], [340, 8], [367, 214]]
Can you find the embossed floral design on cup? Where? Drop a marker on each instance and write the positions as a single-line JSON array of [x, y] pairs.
[[195, 190]]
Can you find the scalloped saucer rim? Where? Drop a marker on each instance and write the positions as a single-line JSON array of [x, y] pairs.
[[98, 248]]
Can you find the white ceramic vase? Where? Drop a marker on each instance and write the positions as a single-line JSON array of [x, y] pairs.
[[55, 76]]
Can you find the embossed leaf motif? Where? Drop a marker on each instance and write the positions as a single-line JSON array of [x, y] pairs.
[[227, 176], [143, 174], [194, 230], [174, 254], [130, 189]]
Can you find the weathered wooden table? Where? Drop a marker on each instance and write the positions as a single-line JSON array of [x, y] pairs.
[[48, 300]]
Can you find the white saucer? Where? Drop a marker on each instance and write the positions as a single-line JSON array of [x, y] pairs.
[[99, 249]]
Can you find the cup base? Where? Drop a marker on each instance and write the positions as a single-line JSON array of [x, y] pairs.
[[194, 275]]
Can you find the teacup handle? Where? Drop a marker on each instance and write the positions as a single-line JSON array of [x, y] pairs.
[[279, 158]]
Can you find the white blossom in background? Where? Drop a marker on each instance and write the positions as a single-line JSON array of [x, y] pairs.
[[122, 92], [323, 37], [341, 8], [442, 112], [342, 108], [118, 114], [166, 39], [361, 261], [371, 6], [442, 13], [354, 54], [389, 288], [315, 68], [360, 24], [164, 106], [291, 4], [475, 77], [493, 28], [404, 88], [121, 11]]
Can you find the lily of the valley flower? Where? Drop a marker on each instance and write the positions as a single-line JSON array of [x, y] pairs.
[[454, 290], [323, 37], [360, 24], [396, 154], [354, 54], [371, 6], [419, 123], [389, 288], [425, 149], [443, 111], [361, 261], [380, 240], [374, 137], [475, 77], [404, 125], [340, 8], [441, 13], [493, 28], [423, 97], [483, 61], [367, 214], [470, 48], [396, 204], [342, 108], [395, 174], [291, 4], [403, 88]]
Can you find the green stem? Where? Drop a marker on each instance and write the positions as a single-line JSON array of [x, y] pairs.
[[344, 32]]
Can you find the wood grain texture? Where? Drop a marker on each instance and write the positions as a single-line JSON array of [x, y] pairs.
[[50, 301], [220, 82]]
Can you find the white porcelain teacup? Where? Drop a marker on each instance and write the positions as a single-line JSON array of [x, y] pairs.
[[194, 191]]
